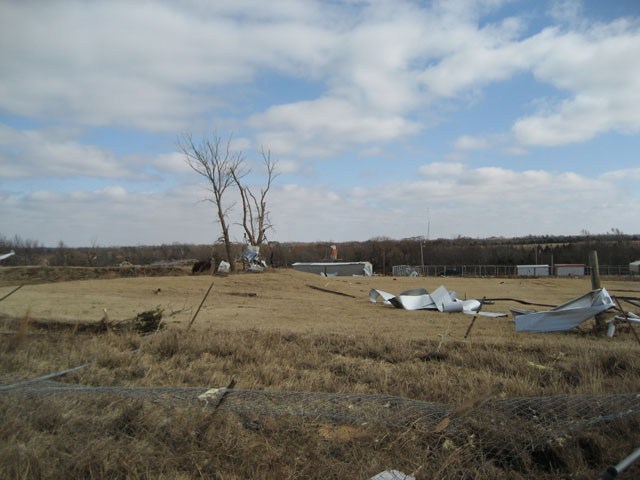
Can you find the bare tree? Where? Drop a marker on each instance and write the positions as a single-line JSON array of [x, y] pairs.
[[214, 160], [255, 215]]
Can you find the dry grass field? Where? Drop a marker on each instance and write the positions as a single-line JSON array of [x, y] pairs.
[[273, 332]]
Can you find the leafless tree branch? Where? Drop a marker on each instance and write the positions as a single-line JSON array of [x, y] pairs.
[[255, 215], [213, 159]]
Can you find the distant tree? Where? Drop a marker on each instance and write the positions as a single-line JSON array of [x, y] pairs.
[[214, 160], [61, 254], [92, 253]]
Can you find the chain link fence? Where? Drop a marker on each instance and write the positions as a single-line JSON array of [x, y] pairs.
[[500, 425], [488, 270]]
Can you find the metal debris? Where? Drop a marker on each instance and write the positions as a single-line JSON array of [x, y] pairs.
[[392, 475], [7, 255], [440, 299], [252, 259], [566, 316]]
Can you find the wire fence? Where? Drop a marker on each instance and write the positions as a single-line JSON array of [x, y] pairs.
[[523, 423]]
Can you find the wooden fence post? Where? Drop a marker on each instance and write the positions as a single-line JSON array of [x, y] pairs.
[[601, 325]]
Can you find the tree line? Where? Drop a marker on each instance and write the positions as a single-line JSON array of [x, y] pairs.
[[383, 253]]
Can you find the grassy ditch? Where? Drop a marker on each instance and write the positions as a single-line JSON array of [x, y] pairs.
[[109, 435]]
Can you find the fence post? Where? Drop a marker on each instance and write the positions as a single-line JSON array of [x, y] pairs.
[[600, 326]]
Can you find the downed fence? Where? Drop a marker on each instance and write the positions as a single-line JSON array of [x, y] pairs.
[[509, 424]]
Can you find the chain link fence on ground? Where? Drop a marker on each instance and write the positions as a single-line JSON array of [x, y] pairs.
[[514, 424]]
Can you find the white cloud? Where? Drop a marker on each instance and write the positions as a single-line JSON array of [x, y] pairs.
[[162, 66], [172, 162], [462, 200], [477, 56], [44, 154], [113, 215], [599, 70], [622, 174], [487, 186], [288, 166], [325, 126], [567, 11], [148, 65], [469, 142], [439, 169], [594, 66]]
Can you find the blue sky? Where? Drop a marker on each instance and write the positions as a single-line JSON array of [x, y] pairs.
[[481, 117]]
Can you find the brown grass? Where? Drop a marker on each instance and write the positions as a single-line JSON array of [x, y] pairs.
[[289, 337]]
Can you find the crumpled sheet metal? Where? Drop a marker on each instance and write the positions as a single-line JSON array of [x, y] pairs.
[[440, 299], [566, 316], [392, 475], [7, 255]]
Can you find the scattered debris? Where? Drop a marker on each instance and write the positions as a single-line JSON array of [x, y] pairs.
[[251, 257], [149, 321], [524, 302], [214, 396], [224, 267], [243, 294], [635, 301], [629, 317], [440, 299], [145, 322], [615, 470], [335, 268], [44, 377], [566, 316], [201, 266], [12, 292], [330, 291], [392, 475], [7, 255], [473, 321], [200, 306]]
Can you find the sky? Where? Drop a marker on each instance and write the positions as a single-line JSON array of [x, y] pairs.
[[388, 118]]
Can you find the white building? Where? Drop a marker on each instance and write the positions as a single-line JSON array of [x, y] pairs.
[[569, 269], [532, 270], [634, 267]]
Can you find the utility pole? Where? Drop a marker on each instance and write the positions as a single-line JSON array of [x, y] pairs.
[[422, 241]]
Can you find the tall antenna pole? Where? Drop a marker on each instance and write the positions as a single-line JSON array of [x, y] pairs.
[[422, 242]]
